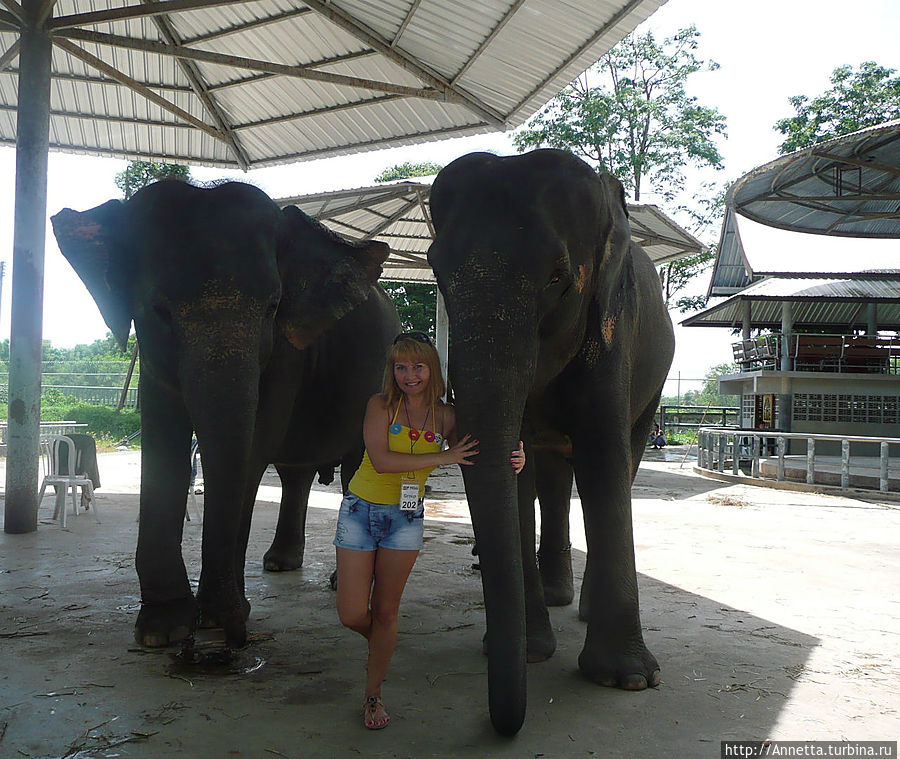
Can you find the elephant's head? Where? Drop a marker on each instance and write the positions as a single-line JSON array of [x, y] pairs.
[[526, 252]]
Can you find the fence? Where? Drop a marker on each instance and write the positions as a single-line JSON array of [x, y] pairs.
[[96, 394], [719, 449], [47, 429], [694, 417]]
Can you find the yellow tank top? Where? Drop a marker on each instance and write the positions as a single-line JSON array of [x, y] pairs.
[[384, 487]]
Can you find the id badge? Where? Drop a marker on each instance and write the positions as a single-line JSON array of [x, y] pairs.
[[409, 495]]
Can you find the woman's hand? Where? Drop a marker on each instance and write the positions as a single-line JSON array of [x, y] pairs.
[[517, 458], [461, 452]]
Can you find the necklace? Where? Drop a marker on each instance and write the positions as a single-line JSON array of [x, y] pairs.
[[413, 432]]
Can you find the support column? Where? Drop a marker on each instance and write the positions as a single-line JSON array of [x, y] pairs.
[[442, 332], [745, 319], [872, 319], [787, 327], [32, 144]]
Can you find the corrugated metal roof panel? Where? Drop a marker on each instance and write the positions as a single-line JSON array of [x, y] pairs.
[[235, 78], [848, 187], [394, 213], [832, 302]]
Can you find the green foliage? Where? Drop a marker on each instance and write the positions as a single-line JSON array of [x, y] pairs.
[[416, 303], [408, 171], [103, 422], [138, 174], [638, 122], [857, 99]]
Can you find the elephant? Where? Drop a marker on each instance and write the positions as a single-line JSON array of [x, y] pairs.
[[560, 338], [259, 329]]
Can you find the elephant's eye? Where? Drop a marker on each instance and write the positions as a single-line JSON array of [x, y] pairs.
[[558, 276]]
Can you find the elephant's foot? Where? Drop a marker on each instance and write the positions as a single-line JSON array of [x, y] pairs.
[[556, 576], [284, 558], [634, 668], [537, 648], [232, 618], [165, 623]]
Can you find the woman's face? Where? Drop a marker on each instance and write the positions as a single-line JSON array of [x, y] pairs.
[[411, 376]]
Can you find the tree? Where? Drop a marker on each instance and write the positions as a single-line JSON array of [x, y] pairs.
[[408, 170], [631, 116], [416, 302], [138, 174], [857, 99]]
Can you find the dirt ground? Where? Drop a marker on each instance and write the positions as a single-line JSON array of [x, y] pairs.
[[773, 614]]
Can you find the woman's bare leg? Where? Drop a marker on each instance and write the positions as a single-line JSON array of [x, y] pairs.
[[392, 569], [356, 569]]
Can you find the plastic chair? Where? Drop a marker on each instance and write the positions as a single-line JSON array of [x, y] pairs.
[[50, 450]]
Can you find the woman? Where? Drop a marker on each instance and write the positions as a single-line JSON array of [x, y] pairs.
[[381, 521]]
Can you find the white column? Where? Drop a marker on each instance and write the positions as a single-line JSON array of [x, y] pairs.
[[745, 319], [787, 326], [871, 318]]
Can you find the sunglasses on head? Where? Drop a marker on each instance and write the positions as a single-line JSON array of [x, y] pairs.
[[419, 337]]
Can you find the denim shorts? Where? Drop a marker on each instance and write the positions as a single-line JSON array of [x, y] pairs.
[[364, 526]]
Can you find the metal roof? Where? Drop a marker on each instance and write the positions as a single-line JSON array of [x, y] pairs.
[[731, 271], [835, 302], [252, 84], [398, 213], [848, 186]]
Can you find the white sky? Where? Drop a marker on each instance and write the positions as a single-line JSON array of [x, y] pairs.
[[767, 51]]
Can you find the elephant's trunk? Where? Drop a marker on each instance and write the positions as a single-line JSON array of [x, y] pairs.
[[491, 381]]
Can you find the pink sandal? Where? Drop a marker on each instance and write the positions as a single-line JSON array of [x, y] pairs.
[[373, 703]]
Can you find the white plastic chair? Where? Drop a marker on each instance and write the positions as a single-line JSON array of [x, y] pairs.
[[50, 450]]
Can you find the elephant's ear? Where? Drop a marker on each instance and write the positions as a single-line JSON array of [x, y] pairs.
[[89, 241], [323, 276]]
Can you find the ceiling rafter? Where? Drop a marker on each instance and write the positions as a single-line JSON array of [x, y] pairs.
[[403, 59], [488, 40], [254, 24], [57, 113], [12, 52], [594, 38], [72, 49], [15, 10], [235, 61], [409, 16], [313, 64], [317, 112], [165, 7], [189, 69]]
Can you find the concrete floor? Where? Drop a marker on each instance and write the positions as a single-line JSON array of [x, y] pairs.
[[773, 614]]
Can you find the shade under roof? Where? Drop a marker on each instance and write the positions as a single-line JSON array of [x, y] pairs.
[[831, 302], [398, 214], [848, 186], [251, 84]]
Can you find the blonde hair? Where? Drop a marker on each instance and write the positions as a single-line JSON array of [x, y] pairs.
[[414, 349]]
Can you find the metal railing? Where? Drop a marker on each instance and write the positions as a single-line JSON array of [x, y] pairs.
[[718, 448], [694, 417], [875, 354]]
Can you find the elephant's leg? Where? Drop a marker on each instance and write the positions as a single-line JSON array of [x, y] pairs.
[[540, 640], [553, 481], [286, 551], [168, 611], [640, 433], [614, 651]]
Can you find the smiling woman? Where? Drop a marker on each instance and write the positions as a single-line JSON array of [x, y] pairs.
[[380, 524]]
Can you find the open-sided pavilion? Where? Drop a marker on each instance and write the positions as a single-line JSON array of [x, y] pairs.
[[236, 84]]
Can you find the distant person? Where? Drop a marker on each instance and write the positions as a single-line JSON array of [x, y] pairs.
[[657, 439]]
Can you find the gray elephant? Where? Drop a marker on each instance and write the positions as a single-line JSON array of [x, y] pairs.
[[258, 328], [559, 336]]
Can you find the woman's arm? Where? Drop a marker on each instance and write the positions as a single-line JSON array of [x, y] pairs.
[[384, 460]]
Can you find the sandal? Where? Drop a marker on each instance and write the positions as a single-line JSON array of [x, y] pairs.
[[372, 705]]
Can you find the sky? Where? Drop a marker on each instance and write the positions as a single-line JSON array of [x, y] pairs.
[[767, 52]]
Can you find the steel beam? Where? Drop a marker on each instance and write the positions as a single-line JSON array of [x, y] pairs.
[[32, 147]]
